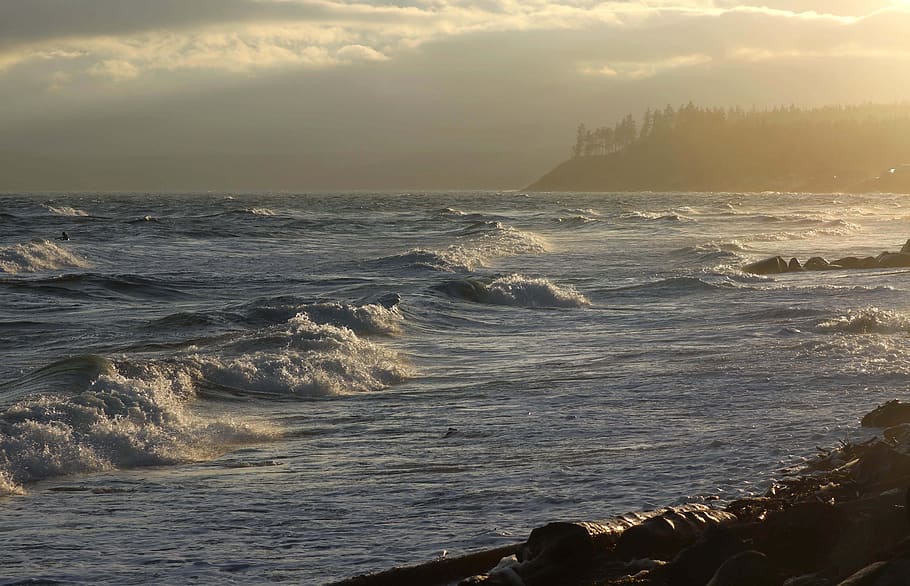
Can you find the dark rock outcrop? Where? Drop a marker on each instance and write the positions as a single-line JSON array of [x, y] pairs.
[[777, 264], [889, 414]]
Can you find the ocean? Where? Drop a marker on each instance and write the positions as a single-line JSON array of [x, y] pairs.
[[249, 388]]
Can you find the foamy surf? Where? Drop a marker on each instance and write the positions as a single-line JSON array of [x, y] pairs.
[[119, 422], [517, 291], [38, 255], [869, 320], [65, 211], [304, 359], [477, 246]]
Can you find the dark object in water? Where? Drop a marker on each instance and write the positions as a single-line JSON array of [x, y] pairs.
[[769, 266], [892, 413], [64, 236]]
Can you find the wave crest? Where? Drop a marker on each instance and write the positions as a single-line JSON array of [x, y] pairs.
[[361, 319], [307, 360], [65, 211], [478, 244], [870, 320], [516, 290], [38, 255], [120, 421]]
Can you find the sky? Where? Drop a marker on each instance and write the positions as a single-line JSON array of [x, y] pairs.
[[304, 95]]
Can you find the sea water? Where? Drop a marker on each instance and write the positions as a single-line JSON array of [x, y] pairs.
[[248, 388]]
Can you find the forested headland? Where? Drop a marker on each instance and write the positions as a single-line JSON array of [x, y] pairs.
[[690, 148]]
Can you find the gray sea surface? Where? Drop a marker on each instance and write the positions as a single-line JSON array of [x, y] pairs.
[[250, 388]]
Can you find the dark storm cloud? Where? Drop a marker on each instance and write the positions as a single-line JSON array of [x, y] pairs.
[[27, 21]]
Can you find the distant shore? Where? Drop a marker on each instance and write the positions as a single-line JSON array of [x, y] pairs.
[[598, 174]]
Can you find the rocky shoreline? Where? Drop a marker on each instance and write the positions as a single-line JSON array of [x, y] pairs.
[[778, 264], [844, 521]]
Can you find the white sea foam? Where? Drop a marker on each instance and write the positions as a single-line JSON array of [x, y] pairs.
[[523, 291], [476, 248], [834, 228], [869, 320], [362, 319], [306, 359], [662, 216], [118, 422], [260, 211], [65, 211], [38, 255]]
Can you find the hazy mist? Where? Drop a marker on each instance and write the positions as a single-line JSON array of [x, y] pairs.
[[428, 94]]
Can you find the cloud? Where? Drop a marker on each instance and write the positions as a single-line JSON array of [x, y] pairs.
[[645, 69], [131, 42]]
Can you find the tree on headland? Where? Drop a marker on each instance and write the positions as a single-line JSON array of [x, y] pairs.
[[697, 148]]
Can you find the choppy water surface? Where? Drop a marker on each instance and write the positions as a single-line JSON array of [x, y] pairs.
[[249, 388]]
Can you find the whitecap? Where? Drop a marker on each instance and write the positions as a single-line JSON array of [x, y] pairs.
[[38, 255], [120, 421], [869, 320], [65, 211], [523, 291], [305, 360]]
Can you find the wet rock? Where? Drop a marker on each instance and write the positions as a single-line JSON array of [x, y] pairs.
[[868, 576], [663, 536], [817, 263], [893, 259], [874, 527], [892, 413], [899, 437], [799, 539], [696, 564], [560, 552], [749, 568], [807, 580], [852, 262], [906, 247], [794, 265], [881, 466], [769, 266]]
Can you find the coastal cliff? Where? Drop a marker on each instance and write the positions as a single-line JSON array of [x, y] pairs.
[[832, 149]]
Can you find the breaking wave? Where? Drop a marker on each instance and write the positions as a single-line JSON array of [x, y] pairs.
[[667, 216], [38, 255], [516, 290], [478, 244], [65, 211], [306, 359], [119, 421], [869, 320], [833, 228], [361, 319], [88, 414]]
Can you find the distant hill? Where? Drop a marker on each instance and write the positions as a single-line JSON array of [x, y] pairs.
[[829, 149]]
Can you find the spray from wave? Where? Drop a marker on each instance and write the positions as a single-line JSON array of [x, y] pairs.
[[477, 245], [119, 421], [666, 216], [38, 255], [91, 414], [66, 211]]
